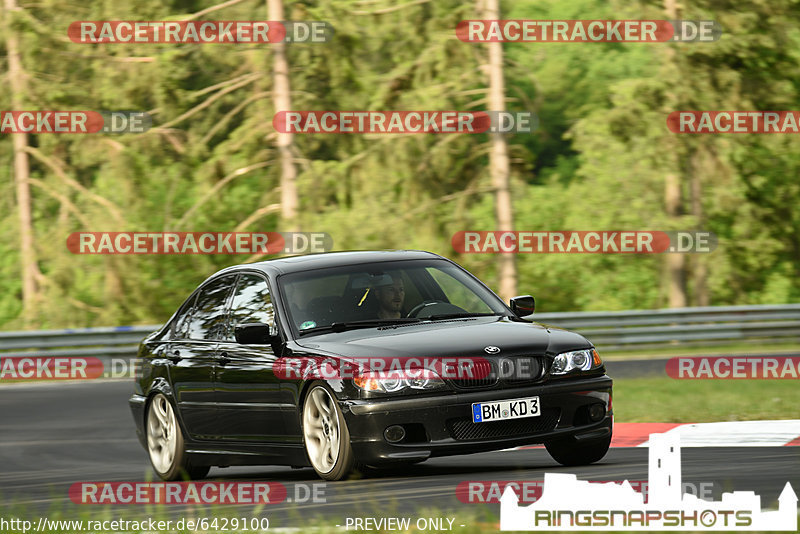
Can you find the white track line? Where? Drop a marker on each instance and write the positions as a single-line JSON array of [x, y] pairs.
[[737, 434]]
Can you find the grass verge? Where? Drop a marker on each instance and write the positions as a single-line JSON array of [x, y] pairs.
[[666, 400]]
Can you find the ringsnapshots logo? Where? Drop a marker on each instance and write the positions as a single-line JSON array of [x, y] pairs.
[[567, 503]]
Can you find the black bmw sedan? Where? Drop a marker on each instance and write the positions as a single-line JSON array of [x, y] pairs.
[[347, 360]]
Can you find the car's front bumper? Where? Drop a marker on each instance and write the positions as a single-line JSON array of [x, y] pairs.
[[442, 425]]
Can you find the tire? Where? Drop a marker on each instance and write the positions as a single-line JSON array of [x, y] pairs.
[[165, 443], [571, 452], [325, 434]]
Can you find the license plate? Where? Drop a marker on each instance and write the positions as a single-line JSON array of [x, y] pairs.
[[483, 412]]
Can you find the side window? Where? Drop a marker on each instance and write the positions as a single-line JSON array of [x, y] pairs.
[[208, 319], [181, 322], [251, 303]]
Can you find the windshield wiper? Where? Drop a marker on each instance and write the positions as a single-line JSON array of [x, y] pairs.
[[352, 325], [441, 316]]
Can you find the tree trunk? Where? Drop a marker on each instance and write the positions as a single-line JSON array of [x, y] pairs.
[[283, 102], [700, 163], [499, 163], [29, 267], [676, 262]]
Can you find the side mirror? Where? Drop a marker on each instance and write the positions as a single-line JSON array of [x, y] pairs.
[[523, 306], [253, 334]]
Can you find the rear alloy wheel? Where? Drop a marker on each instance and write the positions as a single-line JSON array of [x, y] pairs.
[[325, 435], [165, 443], [571, 452]]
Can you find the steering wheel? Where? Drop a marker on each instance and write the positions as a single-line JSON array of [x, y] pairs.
[[430, 308], [418, 308]]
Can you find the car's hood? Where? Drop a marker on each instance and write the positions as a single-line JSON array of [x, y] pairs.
[[448, 338]]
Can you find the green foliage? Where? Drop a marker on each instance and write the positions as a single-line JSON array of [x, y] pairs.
[[647, 400], [597, 161]]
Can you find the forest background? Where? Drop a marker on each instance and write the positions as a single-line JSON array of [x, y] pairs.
[[602, 157]]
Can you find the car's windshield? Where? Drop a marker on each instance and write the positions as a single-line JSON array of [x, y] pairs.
[[371, 294]]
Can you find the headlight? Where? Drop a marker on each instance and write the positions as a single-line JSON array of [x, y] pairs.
[[394, 381], [577, 360]]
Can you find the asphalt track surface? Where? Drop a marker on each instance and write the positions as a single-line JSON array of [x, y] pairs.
[[55, 434]]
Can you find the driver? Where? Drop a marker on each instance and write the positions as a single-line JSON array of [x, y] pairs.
[[390, 298]]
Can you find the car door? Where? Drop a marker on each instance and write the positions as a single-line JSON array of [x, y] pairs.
[[250, 398], [192, 357]]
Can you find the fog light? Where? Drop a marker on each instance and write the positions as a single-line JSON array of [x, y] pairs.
[[394, 433], [596, 412]]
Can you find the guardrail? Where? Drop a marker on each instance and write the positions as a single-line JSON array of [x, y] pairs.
[[677, 327], [103, 341], [622, 330]]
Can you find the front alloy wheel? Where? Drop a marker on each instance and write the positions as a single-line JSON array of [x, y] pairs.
[[165, 443], [325, 434]]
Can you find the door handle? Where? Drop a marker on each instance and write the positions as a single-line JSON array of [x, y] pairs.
[[224, 358], [175, 356]]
